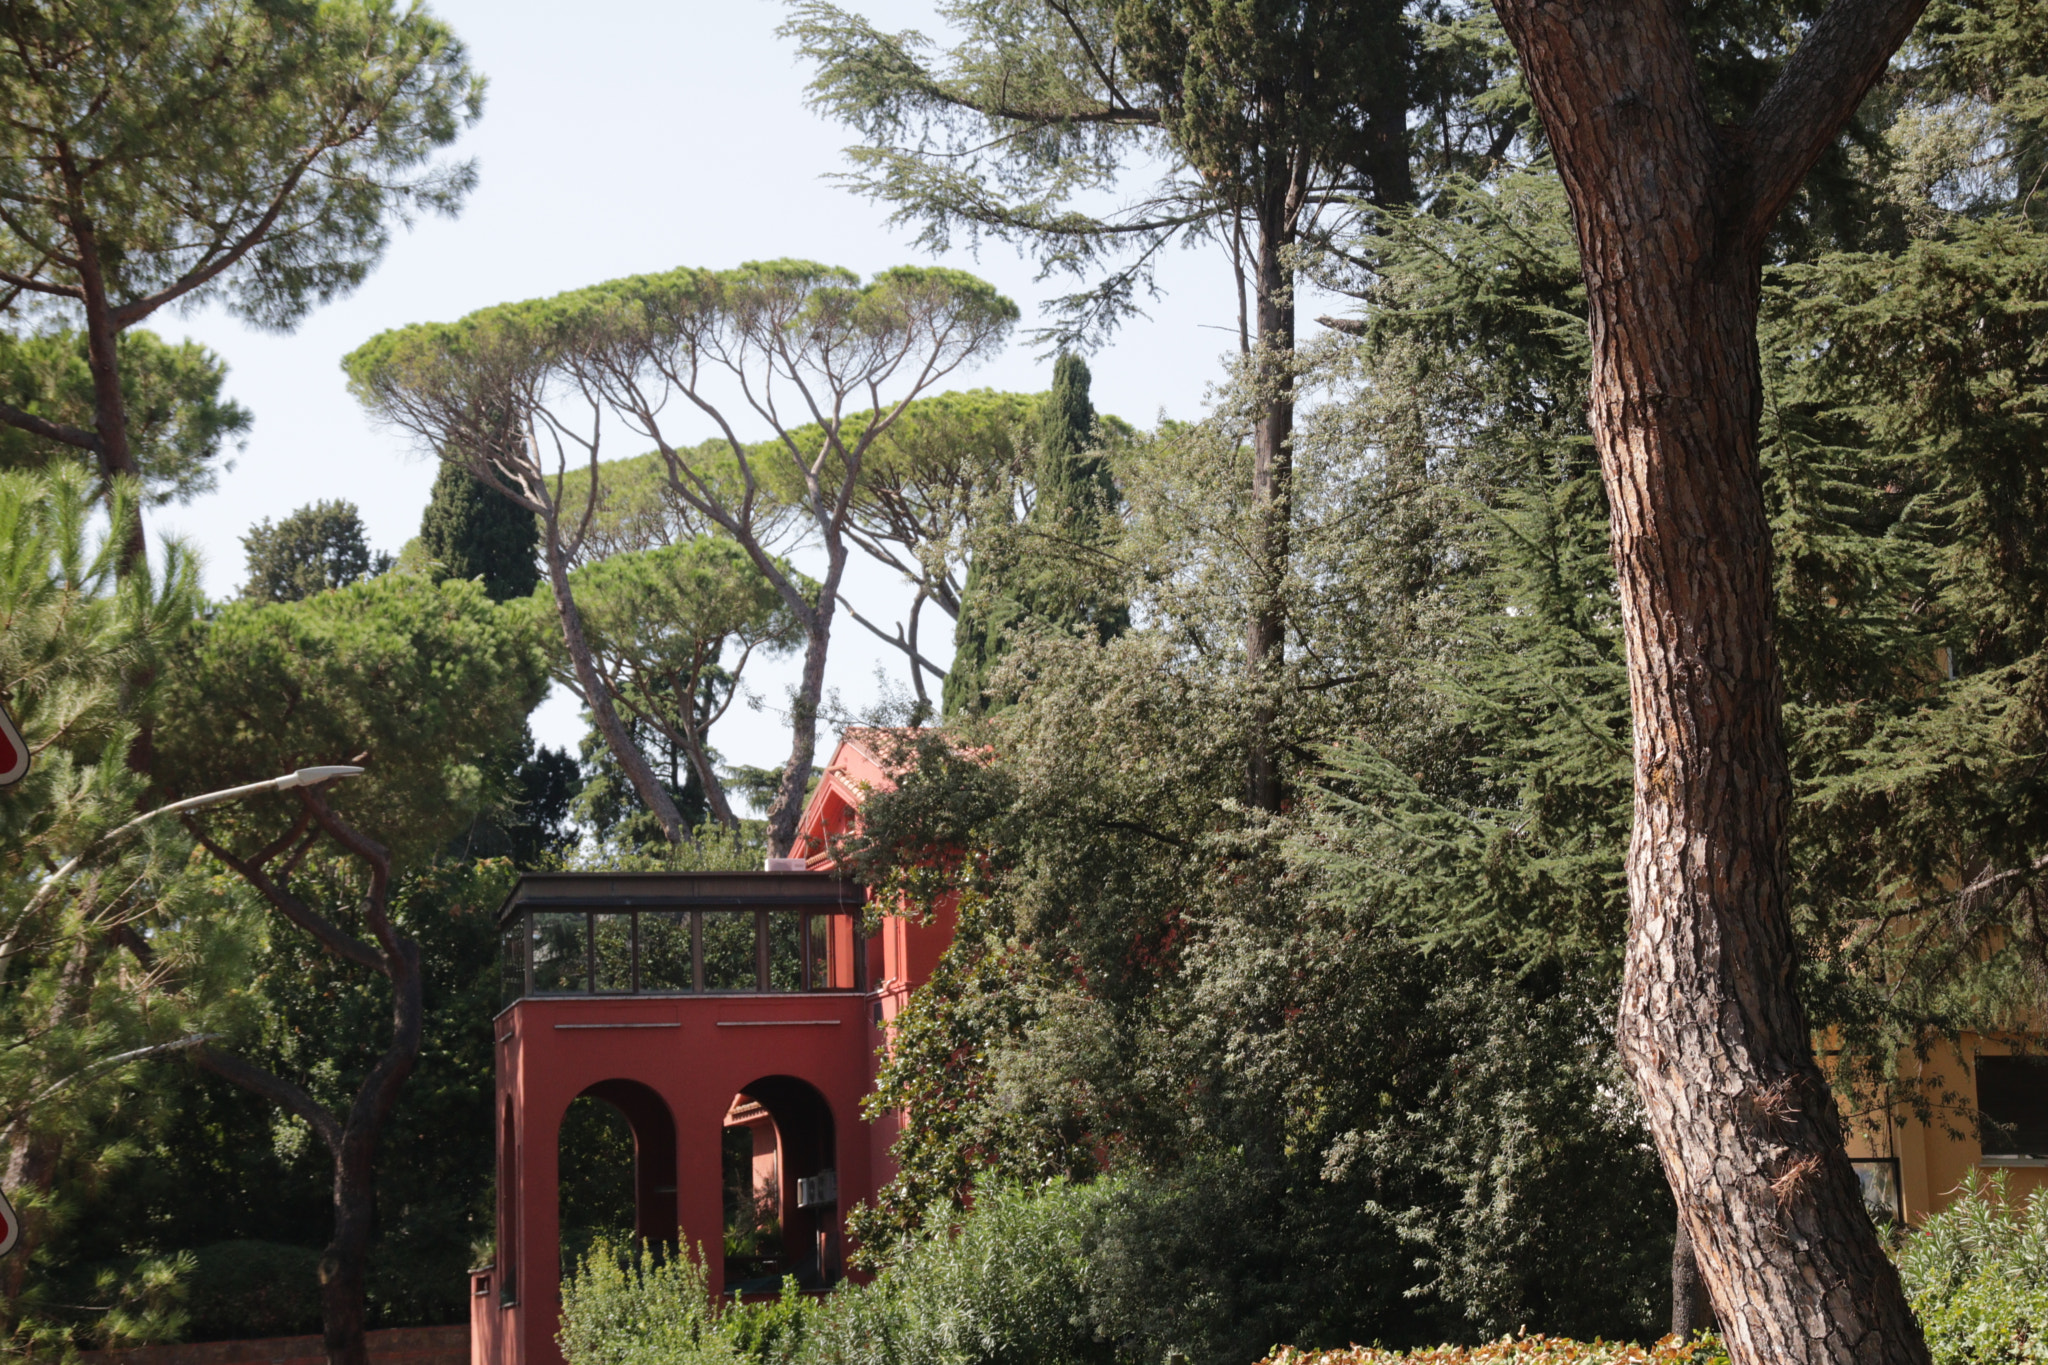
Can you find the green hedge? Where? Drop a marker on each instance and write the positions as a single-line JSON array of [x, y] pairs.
[[1010, 1286], [1523, 1350], [1014, 1284], [1978, 1277], [252, 1289]]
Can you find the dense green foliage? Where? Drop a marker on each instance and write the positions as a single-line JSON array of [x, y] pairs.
[[473, 531], [1041, 575], [1978, 1276], [1032, 1274], [204, 122], [418, 680], [320, 546], [112, 960], [225, 1169], [1012, 1285], [179, 422]]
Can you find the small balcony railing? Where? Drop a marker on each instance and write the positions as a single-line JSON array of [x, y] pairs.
[[581, 952]]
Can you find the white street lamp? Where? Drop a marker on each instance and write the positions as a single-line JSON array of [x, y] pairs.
[[303, 777]]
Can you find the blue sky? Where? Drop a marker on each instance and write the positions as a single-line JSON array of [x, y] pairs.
[[621, 137]]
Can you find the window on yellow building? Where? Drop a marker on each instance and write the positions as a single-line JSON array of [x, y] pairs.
[[2012, 1100]]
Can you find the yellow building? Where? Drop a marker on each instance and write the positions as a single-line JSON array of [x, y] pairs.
[[1988, 1098]]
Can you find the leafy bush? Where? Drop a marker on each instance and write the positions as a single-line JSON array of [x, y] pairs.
[[1977, 1274], [253, 1289], [1009, 1283], [640, 1310], [1521, 1350]]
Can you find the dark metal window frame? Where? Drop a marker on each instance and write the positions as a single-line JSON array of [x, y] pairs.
[[807, 915], [2019, 1128]]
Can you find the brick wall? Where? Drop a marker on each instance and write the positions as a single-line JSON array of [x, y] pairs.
[[388, 1346]]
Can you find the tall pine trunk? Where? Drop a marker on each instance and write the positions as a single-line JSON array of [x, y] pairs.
[[351, 1138], [1272, 502], [1672, 212], [597, 693], [344, 1265], [1711, 1026], [788, 806]]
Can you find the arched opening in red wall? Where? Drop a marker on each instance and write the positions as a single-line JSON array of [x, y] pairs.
[[508, 1206], [616, 1165], [781, 1187]]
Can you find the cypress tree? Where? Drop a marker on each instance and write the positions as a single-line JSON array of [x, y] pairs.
[[472, 531], [1032, 573], [1074, 483]]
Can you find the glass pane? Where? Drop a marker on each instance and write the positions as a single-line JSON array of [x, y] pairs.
[[665, 950], [558, 962], [819, 946], [729, 951], [2012, 1092], [512, 962], [1880, 1182], [614, 943], [785, 951]]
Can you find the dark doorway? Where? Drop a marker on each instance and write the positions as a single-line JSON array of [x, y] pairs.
[[616, 1170], [781, 1195], [595, 1196]]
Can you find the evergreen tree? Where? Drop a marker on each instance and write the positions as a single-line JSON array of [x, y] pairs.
[[1038, 572], [476, 532], [115, 958], [255, 159], [320, 546], [1074, 484]]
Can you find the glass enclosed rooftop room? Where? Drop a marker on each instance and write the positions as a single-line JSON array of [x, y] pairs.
[[653, 933]]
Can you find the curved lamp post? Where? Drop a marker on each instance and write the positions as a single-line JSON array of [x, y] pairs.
[[303, 777]]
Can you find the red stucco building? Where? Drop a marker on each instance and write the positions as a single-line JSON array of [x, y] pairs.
[[731, 1017]]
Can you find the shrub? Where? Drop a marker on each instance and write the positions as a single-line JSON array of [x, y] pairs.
[[253, 1289], [1008, 1282], [1521, 1350], [1977, 1274], [640, 1309]]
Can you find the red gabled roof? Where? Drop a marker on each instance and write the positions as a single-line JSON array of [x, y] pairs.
[[865, 761]]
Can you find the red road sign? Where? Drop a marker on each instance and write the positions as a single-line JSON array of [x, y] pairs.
[[13, 767], [10, 1226]]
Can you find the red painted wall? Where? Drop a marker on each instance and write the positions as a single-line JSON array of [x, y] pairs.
[[692, 1054]]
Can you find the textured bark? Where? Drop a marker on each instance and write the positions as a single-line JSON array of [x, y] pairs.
[[102, 334], [788, 806], [1690, 1310], [1671, 213]]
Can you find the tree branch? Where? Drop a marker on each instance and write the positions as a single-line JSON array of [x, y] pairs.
[[76, 437], [279, 1091], [379, 859], [1827, 77], [917, 659], [329, 934]]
